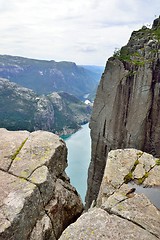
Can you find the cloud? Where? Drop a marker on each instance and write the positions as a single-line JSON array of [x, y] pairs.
[[87, 49], [85, 31]]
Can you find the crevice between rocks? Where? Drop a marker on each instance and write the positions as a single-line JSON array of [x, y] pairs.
[[5, 215], [42, 200], [129, 177], [46, 212], [16, 153], [20, 177], [109, 211], [35, 170], [101, 110]]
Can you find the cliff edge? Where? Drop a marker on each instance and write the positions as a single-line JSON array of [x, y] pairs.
[[128, 204], [126, 110], [37, 201]]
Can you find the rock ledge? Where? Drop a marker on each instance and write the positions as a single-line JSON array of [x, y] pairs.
[[120, 211], [37, 201]]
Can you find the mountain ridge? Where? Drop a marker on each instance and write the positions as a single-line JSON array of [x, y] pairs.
[[23, 109], [45, 76]]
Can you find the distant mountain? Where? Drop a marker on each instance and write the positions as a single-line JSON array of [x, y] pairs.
[[23, 109], [45, 77], [98, 70], [93, 68]]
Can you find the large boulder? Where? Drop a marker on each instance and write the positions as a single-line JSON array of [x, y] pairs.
[[122, 210], [97, 224], [36, 200]]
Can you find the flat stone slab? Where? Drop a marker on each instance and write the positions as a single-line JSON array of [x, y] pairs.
[[10, 142], [97, 224], [37, 151], [134, 207]]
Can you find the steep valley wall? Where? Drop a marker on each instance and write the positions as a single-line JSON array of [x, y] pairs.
[[126, 110]]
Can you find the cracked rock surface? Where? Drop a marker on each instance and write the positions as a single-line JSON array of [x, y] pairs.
[[36, 198], [120, 211], [97, 224]]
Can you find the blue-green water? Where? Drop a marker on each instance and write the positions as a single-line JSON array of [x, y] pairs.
[[79, 154]]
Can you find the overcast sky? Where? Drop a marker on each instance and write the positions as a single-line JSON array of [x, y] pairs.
[[82, 31]]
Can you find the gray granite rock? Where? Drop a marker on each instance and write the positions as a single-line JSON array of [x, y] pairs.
[[126, 109], [121, 211], [97, 224], [123, 199], [32, 179], [11, 142], [43, 230]]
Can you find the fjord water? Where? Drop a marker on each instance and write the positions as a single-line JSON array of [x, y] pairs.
[[79, 154]]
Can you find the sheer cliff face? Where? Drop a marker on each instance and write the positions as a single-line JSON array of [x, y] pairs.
[[126, 111]]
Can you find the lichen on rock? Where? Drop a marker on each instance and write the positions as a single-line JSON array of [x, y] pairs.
[[121, 212], [36, 200]]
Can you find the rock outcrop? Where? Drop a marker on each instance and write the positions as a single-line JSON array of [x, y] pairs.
[[122, 211], [37, 201], [126, 110]]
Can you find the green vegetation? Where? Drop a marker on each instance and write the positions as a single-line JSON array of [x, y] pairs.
[[126, 56], [138, 62], [122, 54], [131, 73], [132, 52], [18, 150], [156, 33], [129, 176], [143, 31], [134, 166], [158, 162], [22, 109], [141, 180], [139, 154]]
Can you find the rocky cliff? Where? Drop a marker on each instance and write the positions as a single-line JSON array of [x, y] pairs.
[[128, 205], [126, 110], [23, 109], [36, 199]]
